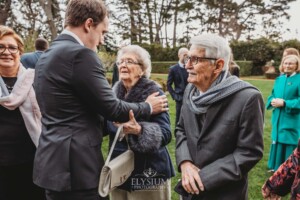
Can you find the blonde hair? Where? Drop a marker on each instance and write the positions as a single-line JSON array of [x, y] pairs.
[[6, 31], [291, 51], [296, 58]]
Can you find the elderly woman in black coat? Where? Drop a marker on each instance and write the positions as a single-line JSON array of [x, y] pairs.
[[148, 138]]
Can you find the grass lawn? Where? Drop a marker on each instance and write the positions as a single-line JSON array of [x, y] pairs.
[[258, 175]]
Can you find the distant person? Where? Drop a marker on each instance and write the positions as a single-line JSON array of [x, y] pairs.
[[178, 77], [75, 97], [290, 51], [115, 75], [285, 103], [285, 180], [148, 138], [30, 59], [234, 69], [219, 135]]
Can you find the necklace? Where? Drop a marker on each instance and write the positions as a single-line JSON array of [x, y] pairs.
[[10, 88]]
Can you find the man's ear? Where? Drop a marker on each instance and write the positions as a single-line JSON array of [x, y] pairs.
[[219, 65], [88, 24]]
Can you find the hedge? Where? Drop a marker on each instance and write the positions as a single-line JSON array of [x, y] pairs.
[[245, 67], [162, 67]]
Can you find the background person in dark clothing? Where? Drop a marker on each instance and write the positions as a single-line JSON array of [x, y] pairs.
[[30, 59], [115, 75], [178, 77]]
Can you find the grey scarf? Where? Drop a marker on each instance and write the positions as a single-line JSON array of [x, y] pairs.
[[220, 89]]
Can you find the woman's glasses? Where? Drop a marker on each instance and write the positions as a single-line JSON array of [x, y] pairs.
[[11, 49], [127, 62]]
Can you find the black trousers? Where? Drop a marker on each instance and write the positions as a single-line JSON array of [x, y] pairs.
[[91, 194], [16, 183]]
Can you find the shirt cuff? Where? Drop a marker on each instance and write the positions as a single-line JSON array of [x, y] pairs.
[[151, 109]]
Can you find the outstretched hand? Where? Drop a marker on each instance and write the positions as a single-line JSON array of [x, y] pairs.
[[159, 103], [132, 126]]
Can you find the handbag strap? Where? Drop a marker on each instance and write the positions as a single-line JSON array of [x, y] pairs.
[[119, 131]]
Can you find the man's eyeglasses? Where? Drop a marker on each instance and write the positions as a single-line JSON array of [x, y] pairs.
[[11, 49], [128, 62], [194, 60]]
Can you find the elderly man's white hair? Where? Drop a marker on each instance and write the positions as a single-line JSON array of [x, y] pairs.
[[182, 50], [215, 47], [142, 56]]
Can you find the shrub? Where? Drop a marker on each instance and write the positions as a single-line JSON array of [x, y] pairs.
[[271, 75], [160, 53], [162, 67], [108, 60], [259, 51], [245, 67]]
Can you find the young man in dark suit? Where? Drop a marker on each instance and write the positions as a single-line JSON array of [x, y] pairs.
[[75, 97], [30, 59], [178, 77]]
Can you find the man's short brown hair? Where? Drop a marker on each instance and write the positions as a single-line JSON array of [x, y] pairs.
[[78, 11], [41, 44]]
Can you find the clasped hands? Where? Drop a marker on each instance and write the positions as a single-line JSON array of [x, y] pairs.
[[277, 102], [191, 180]]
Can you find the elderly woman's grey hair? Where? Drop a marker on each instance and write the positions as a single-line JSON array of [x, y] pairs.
[[142, 56], [215, 47]]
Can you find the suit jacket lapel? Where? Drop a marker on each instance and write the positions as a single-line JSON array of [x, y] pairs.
[[211, 114]]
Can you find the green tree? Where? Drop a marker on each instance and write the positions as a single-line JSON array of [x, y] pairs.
[[4, 11], [233, 19], [53, 17]]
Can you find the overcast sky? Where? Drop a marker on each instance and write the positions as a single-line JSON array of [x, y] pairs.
[[294, 22]]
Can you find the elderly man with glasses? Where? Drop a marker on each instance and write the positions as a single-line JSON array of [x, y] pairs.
[[219, 133]]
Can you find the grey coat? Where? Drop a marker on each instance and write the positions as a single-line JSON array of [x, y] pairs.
[[227, 147]]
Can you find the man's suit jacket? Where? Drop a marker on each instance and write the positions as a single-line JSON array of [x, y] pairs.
[[177, 75], [227, 146], [29, 60], [74, 97]]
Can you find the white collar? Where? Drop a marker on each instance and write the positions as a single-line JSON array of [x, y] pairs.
[[291, 74], [180, 64], [67, 32]]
